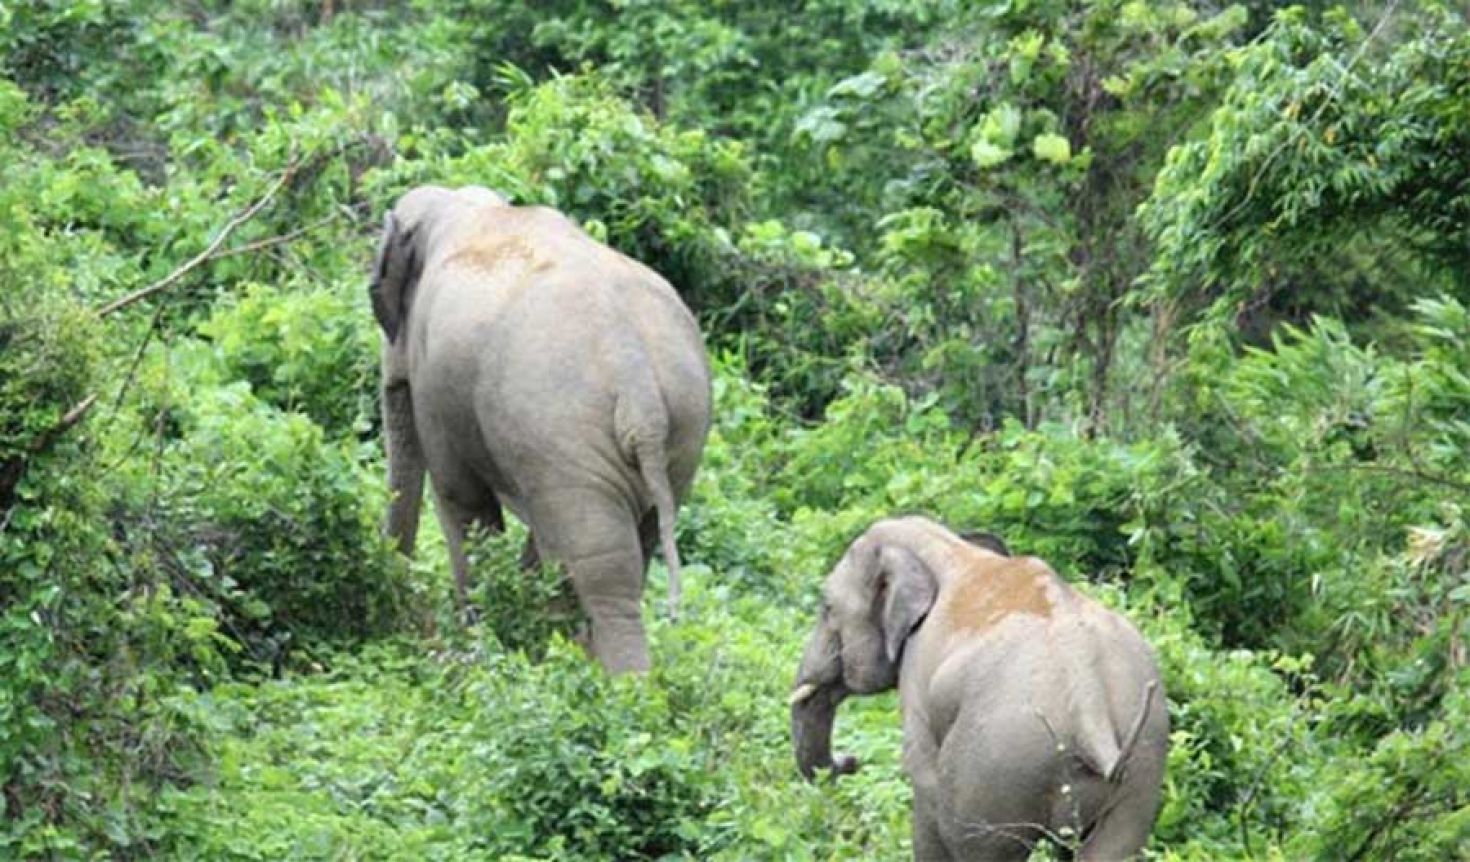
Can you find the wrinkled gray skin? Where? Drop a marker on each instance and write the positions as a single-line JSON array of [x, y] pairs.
[[1029, 710], [527, 365]]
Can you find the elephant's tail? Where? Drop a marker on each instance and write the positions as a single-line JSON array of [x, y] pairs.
[[1101, 749], [1126, 752], [653, 464]]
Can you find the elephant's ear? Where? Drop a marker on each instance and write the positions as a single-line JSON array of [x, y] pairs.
[[394, 272], [988, 541], [910, 588]]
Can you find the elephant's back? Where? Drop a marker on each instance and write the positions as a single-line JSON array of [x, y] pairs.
[[1110, 703], [1082, 663], [541, 335], [608, 360]]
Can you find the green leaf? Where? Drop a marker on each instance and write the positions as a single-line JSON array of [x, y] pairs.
[[1052, 148], [1001, 125], [988, 155], [858, 86]]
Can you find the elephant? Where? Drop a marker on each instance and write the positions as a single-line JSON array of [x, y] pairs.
[[1030, 711], [527, 365]]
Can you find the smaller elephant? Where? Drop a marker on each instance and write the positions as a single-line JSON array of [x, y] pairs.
[[1030, 711]]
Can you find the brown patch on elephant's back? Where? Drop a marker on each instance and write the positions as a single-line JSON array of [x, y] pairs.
[[991, 590], [491, 254]]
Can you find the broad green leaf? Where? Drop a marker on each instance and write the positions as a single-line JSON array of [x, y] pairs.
[[1001, 125], [859, 86], [1052, 148], [988, 155]]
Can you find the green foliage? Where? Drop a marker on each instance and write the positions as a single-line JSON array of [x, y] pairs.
[[997, 172], [49, 356], [1167, 293], [300, 350], [1326, 134], [521, 608], [93, 654], [1406, 800], [654, 190], [438, 750], [475, 758], [731, 518], [1326, 453], [50, 44], [258, 512], [581, 766], [737, 67], [1080, 504]]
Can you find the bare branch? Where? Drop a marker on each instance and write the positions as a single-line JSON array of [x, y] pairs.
[[44, 440], [70, 418], [269, 242], [210, 251]]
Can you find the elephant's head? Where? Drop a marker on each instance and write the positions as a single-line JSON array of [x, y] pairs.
[[874, 598], [409, 232]]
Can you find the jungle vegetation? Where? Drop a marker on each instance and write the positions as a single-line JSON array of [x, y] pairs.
[[1171, 293]]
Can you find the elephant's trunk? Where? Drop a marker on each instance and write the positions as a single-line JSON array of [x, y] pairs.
[[814, 704], [812, 713]]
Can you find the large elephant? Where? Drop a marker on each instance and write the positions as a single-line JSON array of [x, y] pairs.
[[1029, 710], [527, 365]]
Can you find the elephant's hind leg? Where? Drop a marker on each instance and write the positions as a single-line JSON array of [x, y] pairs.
[[928, 842], [594, 536], [455, 519], [1124, 828], [530, 558], [648, 538], [1127, 814]]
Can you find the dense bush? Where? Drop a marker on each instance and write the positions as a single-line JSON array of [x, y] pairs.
[[1368, 126], [92, 652], [275, 522], [521, 609], [666, 195], [307, 351]]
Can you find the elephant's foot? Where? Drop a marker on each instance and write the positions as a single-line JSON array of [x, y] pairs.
[[582, 637], [627, 664], [621, 648]]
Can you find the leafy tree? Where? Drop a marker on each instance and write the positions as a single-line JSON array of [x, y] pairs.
[[1327, 158]]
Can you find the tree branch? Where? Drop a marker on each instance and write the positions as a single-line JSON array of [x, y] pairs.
[[1399, 471], [68, 419], [269, 242], [209, 252]]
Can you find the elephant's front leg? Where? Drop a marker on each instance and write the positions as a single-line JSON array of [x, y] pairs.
[[405, 464], [929, 843], [595, 537], [920, 762]]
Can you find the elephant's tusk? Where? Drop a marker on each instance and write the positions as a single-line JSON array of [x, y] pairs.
[[803, 691]]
